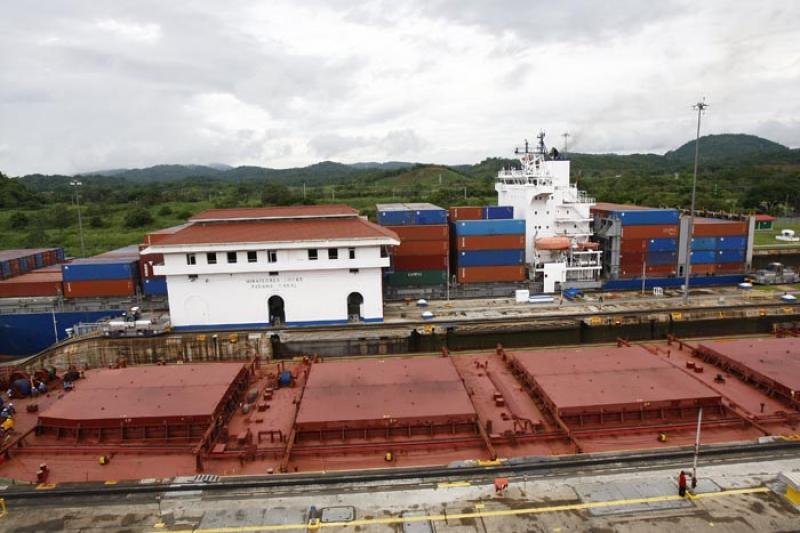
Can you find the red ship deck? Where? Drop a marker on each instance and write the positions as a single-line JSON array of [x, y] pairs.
[[770, 363], [145, 396]]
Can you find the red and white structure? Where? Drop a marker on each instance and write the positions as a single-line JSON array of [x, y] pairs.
[[254, 267]]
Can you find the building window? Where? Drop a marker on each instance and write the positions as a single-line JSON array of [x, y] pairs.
[[272, 256], [191, 259], [211, 258], [312, 254], [273, 273], [354, 271], [384, 253], [352, 253], [252, 257], [232, 257], [333, 253]]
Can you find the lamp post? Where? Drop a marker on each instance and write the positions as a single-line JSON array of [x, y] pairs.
[[700, 107], [76, 184]]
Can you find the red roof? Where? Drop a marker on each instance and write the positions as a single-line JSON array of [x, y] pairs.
[[277, 230], [764, 218], [294, 211]]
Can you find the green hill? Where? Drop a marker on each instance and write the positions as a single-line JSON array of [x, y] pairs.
[[726, 148]]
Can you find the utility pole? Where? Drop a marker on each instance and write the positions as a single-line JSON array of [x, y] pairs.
[[465, 192], [700, 107], [304, 190], [566, 137], [76, 184], [697, 447]]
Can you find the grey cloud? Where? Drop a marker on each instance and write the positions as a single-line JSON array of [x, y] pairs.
[[396, 142]]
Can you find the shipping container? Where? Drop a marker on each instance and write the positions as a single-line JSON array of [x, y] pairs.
[[646, 217], [491, 242], [498, 212], [632, 260], [421, 248], [98, 269], [59, 255], [704, 243], [638, 246], [702, 269], [489, 227], [466, 213], [695, 281], [701, 257], [483, 274], [395, 218], [662, 245], [92, 289], [732, 243], [418, 278], [155, 286], [661, 258], [729, 268], [711, 227], [730, 256], [36, 283], [410, 263], [410, 214], [650, 270], [147, 264], [650, 232], [490, 258], [439, 232]]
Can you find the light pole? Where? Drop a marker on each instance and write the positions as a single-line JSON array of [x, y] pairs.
[[76, 184], [700, 107]]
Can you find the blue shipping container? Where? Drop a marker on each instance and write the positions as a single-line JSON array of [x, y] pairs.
[[24, 264], [38, 260], [498, 212], [661, 258], [647, 217], [425, 217], [155, 286], [731, 243], [662, 245], [704, 243], [395, 218], [5, 268], [468, 228], [60, 254], [99, 270], [704, 257], [491, 258], [730, 256]]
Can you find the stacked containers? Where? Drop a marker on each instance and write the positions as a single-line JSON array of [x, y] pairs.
[[153, 285], [421, 259], [488, 244], [17, 262], [113, 273], [721, 245], [46, 281], [649, 239]]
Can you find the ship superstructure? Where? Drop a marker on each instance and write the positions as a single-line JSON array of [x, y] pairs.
[[557, 217]]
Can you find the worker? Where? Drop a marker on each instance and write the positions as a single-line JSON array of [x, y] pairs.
[[682, 484], [41, 387], [7, 425]]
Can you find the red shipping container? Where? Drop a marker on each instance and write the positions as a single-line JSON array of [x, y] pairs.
[[91, 289], [466, 213], [146, 264], [413, 263], [633, 246], [439, 232], [422, 248], [726, 228], [730, 268], [491, 242], [491, 273], [32, 284], [654, 231], [631, 260], [703, 269]]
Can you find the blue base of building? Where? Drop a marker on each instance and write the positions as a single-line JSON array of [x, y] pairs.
[[649, 283], [27, 334], [262, 325]]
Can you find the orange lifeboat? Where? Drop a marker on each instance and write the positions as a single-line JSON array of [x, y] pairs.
[[553, 243], [588, 246]]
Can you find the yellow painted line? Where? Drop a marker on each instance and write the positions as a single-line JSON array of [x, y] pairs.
[[479, 514], [454, 484], [46, 486], [110, 482]]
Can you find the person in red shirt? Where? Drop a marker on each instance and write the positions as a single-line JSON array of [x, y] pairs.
[[682, 484]]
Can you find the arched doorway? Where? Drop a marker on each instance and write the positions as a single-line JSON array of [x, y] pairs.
[[277, 313], [354, 303]]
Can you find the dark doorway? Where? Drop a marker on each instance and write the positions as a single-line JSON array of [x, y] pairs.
[[277, 314], [354, 302]]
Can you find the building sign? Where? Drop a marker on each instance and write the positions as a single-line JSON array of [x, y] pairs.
[[274, 282]]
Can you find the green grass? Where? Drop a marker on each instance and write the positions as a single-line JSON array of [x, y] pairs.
[[766, 238]]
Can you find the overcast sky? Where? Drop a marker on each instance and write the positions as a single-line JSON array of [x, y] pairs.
[[90, 85]]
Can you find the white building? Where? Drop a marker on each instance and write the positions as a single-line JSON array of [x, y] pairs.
[[557, 219], [303, 265]]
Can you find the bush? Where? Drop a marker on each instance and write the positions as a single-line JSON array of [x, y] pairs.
[[184, 214], [96, 221], [18, 220], [138, 217], [165, 211]]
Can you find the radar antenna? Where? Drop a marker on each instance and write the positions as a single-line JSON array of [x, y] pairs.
[[525, 150]]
